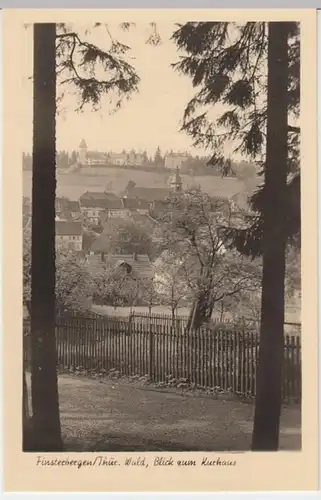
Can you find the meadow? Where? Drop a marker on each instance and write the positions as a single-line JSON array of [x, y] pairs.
[[73, 185]]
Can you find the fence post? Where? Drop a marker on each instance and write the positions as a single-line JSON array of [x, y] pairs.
[[151, 353]]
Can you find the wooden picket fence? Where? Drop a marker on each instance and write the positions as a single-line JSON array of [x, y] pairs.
[[205, 358]]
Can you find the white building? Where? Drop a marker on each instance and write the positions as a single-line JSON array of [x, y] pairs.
[[69, 234], [175, 160]]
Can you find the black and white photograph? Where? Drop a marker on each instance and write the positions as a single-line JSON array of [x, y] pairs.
[[161, 218], [161, 237]]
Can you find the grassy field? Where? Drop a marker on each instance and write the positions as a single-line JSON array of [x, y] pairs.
[[116, 179], [114, 416]]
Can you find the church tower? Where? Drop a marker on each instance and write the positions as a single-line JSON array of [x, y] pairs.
[[175, 182], [82, 152]]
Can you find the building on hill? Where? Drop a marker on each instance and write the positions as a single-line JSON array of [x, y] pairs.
[[69, 235], [175, 160], [136, 159], [117, 158], [87, 157]]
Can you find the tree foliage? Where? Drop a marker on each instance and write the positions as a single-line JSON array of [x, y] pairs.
[[114, 286], [74, 284], [193, 231], [93, 72], [128, 237], [227, 63], [170, 280]]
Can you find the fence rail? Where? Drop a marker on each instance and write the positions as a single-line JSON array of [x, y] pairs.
[[203, 358]]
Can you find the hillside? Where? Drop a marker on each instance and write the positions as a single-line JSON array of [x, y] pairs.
[[73, 185]]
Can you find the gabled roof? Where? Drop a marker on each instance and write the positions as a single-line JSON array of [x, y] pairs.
[[148, 194], [98, 195], [135, 204], [83, 144], [104, 203], [68, 228], [100, 200]]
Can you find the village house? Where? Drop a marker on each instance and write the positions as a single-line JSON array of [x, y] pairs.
[[93, 203], [115, 212], [117, 158], [69, 235], [136, 159], [86, 157], [154, 194], [175, 160], [67, 209], [149, 194]]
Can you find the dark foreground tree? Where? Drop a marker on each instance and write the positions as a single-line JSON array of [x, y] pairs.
[[269, 376], [58, 51], [44, 386]]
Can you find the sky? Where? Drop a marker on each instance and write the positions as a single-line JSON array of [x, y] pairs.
[[151, 118]]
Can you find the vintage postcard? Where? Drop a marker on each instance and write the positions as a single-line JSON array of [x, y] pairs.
[[160, 265]]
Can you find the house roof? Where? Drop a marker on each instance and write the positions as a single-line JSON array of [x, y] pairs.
[[135, 204], [83, 144], [63, 204], [149, 194], [100, 200], [140, 264], [68, 228], [98, 195]]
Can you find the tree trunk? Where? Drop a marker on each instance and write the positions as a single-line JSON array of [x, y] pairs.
[[200, 313], [44, 386], [269, 376]]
